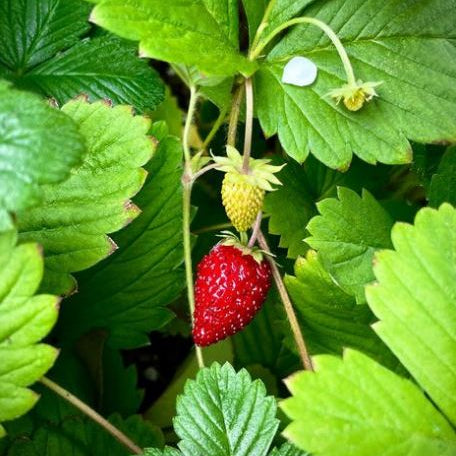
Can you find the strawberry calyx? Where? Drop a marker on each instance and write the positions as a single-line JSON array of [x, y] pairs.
[[355, 95], [230, 239], [260, 174]]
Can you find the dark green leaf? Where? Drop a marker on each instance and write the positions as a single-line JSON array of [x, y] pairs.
[[102, 67], [443, 184], [82, 437], [127, 293], [32, 31]]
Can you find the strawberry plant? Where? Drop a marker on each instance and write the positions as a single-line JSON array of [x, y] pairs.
[[227, 227]]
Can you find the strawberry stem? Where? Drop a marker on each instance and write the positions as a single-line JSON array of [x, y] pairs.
[[93, 415], [256, 51], [291, 315], [186, 218], [255, 229], [234, 115], [248, 124]]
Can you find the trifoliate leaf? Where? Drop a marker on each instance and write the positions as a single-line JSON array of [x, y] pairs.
[[346, 235], [443, 183], [330, 318], [31, 151], [356, 406], [25, 318], [287, 449], [74, 216], [80, 436], [32, 31], [128, 292], [399, 44], [102, 67], [224, 413], [203, 33], [414, 301]]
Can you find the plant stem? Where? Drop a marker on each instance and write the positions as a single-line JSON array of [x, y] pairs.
[[255, 230], [292, 319], [248, 124], [234, 115], [186, 209], [326, 29], [92, 414], [215, 128], [188, 125], [264, 23], [203, 171]]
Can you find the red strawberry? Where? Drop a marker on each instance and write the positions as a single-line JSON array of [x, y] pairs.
[[230, 288]]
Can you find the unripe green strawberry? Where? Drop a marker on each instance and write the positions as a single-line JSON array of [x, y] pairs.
[[243, 193], [242, 200]]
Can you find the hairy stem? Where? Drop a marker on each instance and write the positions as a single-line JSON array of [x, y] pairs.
[[326, 29], [255, 229], [264, 23], [93, 415], [188, 124], [186, 209], [203, 171], [215, 128], [291, 315], [234, 115], [248, 124]]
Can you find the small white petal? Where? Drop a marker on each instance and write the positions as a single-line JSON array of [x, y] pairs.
[[299, 71]]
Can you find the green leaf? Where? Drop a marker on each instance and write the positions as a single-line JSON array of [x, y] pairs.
[[414, 301], [360, 406], [83, 437], [32, 31], [74, 216], [400, 44], [201, 33], [163, 410], [223, 413], [330, 319], [443, 183], [287, 449], [128, 292], [26, 319], [346, 235], [102, 67], [104, 364], [290, 208], [30, 150], [292, 205]]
